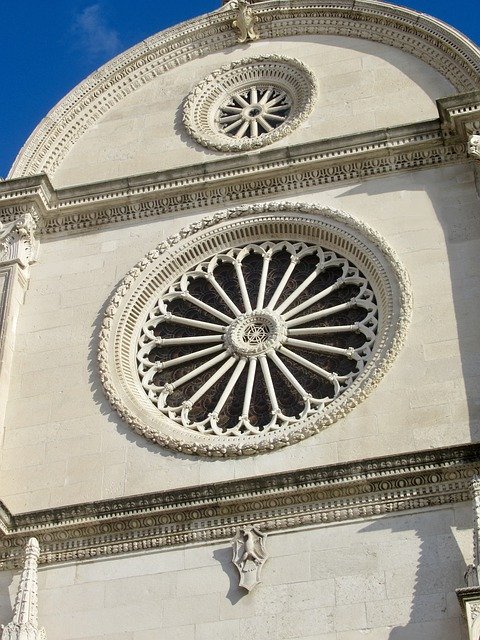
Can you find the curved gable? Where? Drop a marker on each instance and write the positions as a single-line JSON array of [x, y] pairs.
[[119, 84]]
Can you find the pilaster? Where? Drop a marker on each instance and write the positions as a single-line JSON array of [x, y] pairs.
[[18, 249]]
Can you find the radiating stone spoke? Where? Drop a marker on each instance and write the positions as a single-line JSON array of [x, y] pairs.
[[306, 363], [312, 331], [198, 324], [322, 348], [243, 128], [212, 380], [268, 127], [241, 100], [287, 373], [208, 308], [250, 359], [318, 315], [196, 372], [195, 355], [168, 342], [308, 303]]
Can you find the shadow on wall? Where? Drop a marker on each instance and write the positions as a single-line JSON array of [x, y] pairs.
[[441, 568], [459, 218], [433, 610], [6, 609]]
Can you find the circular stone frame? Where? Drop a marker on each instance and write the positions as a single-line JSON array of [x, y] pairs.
[[204, 103], [144, 284]]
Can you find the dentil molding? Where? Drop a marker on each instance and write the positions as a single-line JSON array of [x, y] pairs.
[[285, 171], [274, 503]]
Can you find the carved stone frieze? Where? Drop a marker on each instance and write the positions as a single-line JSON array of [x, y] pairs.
[[310, 497], [437, 44], [281, 172], [249, 555]]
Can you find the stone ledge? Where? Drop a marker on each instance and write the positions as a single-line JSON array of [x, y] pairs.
[[247, 177], [315, 496]]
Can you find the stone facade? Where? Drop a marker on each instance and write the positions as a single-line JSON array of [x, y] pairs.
[[368, 507]]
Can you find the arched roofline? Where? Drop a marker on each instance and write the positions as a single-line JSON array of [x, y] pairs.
[[442, 47]]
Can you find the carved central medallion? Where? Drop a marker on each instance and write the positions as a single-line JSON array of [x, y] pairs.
[[256, 333]]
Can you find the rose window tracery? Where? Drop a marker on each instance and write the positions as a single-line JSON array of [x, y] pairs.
[[250, 103], [254, 112], [256, 338], [253, 329]]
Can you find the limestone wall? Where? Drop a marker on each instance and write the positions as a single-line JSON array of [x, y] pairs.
[[63, 444], [362, 86], [385, 579]]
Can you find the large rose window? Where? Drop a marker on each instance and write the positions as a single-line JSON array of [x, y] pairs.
[[253, 329], [257, 337]]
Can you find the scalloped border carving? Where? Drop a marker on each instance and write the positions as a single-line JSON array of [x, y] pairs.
[[236, 76], [430, 40], [125, 310]]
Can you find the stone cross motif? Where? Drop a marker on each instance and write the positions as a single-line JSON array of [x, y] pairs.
[[24, 625], [245, 21], [249, 555]]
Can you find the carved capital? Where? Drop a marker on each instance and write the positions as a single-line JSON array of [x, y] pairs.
[[473, 150], [17, 241]]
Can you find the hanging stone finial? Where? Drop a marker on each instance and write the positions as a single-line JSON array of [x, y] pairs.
[[249, 555], [24, 625], [245, 21]]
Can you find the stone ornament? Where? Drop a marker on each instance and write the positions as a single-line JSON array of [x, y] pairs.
[[17, 241], [255, 362], [473, 147], [249, 555], [155, 196], [24, 625], [250, 103], [150, 369], [244, 21], [437, 44], [405, 483]]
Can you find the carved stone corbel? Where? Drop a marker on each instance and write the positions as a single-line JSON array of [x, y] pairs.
[[24, 624], [245, 21], [473, 147], [249, 555]]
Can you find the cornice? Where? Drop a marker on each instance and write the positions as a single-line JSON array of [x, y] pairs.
[[209, 513], [284, 171], [437, 44]]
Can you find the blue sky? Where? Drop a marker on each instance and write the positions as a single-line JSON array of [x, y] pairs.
[[49, 46]]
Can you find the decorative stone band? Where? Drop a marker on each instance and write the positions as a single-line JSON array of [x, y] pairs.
[[274, 503], [437, 44], [281, 172]]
